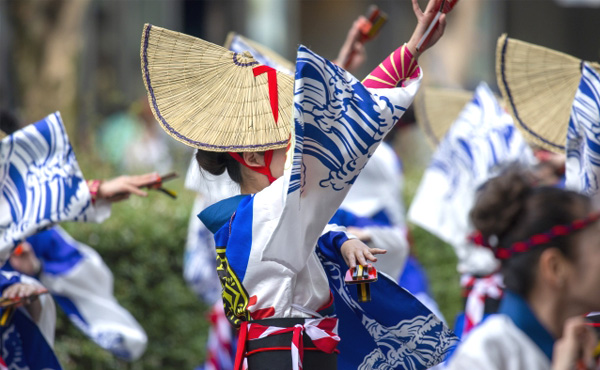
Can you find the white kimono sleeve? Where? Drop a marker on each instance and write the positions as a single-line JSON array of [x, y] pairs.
[[87, 291], [338, 125]]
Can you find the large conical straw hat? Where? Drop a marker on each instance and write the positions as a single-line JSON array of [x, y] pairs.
[[207, 97], [437, 108], [538, 85], [279, 62]]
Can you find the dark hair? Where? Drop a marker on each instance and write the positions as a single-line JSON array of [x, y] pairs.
[[217, 162], [509, 208], [8, 122]]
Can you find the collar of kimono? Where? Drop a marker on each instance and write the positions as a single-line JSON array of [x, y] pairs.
[[217, 215], [535, 240], [264, 170], [517, 309], [323, 332]]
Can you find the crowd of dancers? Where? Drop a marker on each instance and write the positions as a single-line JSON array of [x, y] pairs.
[[298, 237]]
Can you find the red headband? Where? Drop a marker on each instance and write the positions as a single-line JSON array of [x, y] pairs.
[[538, 239]]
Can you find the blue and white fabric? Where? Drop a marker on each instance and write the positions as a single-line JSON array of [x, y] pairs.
[[512, 339], [480, 143], [82, 285], [239, 45], [381, 235], [24, 347], [379, 188], [40, 182], [583, 135], [270, 238], [392, 331], [200, 257], [27, 344], [376, 193], [338, 125]]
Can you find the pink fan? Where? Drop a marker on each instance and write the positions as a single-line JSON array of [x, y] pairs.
[[445, 8]]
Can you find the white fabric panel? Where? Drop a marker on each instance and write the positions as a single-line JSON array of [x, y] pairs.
[[497, 344], [481, 142]]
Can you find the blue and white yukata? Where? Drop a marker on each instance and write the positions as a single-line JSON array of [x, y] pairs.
[[583, 143], [376, 195], [41, 185], [277, 255], [480, 143], [512, 339], [82, 285], [28, 343], [376, 202]]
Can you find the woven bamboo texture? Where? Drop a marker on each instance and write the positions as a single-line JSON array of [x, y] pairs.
[[208, 98], [437, 108], [538, 86]]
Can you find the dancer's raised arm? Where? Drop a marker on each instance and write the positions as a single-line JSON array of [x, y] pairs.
[[402, 64]]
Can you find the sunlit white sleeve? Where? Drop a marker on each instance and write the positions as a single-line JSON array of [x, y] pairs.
[[338, 125]]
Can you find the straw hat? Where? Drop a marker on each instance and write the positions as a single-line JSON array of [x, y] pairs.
[[437, 108], [538, 85], [269, 54], [208, 98]]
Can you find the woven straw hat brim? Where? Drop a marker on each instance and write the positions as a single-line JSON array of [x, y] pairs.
[[436, 109], [538, 86], [208, 98], [270, 54]]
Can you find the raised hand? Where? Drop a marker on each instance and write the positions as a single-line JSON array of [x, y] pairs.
[[575, 349], [353, 54], [424, 19]]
